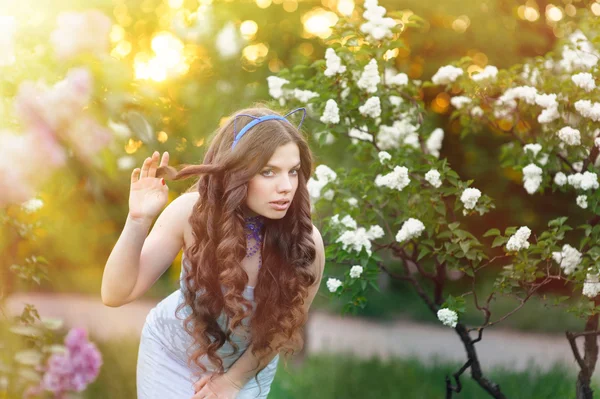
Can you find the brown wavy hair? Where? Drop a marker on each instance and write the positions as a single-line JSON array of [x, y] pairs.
[[215, 279]]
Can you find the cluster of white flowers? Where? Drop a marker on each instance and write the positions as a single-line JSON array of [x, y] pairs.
[[434, 142], [402, 132], [333, 284], [356, 271], [469, 197], [448, 317], [589, 110], [397, 179], [324, 175], [32, 205], [395, 79], [489, 72], [459, 101], [369, 79], [531, 75], [360, 134], [550, 105], [583, 181], [584, 80], [433, 178], [518, 240], [568, 259], [346, 221], [372, 107], [331, 114], [384, 156], [412, 228], [276, 86], [581, 54], [560, 179], [591, 286], [569, 136], [446, 75], [356, 239], [532, 178], [333, 63], [304, 96], [353, 202], [534, 148], [377, 26], [476, 111], [581, 201]]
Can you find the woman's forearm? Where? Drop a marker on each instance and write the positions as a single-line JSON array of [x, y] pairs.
[[247, 366], [122, 266]]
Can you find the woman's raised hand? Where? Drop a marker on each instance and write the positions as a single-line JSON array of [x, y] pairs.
[[148, 194]]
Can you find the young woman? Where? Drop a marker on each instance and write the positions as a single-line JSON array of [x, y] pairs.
[[252, 262]]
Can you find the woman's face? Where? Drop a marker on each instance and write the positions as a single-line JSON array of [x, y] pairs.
[[277, 181]]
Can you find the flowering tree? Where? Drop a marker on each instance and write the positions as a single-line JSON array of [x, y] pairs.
[[407, 204]]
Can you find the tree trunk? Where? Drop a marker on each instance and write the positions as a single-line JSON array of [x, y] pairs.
[[590, 357]]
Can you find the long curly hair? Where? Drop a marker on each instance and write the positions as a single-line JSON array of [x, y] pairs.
[[215, 279]]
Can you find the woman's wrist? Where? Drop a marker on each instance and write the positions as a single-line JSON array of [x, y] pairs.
[[233, 381]]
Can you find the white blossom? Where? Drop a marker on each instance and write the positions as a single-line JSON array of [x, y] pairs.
[[375, 232], [228, 41], [377, 26], [325, 173], [360, 134], [333, 63], [532, 178], [569, 136], [384, 156], [402, 132], [534, 148], [568, 259], [372, 107], [589, 110], [476, 112], [560, 179], [469, 197], [369, 79], [396, 101], [328, 195], [333, 284], [397, 179], [578, 166], [580, 55], [331, 114], [356, 271], [395, 79], [591, 286], [434, 142], [489, 72], [582, 201], [584, 80], [412, 228], [446, 75], [32, 205], [355, 240], [546, 100], [353, 202], [433, 178], [448, 317], [349, 222], [304, 96], [589, 180], [518, 240], [275, 86], [548, 115], [459, 101]]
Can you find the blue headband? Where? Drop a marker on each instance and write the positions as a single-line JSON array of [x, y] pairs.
[[256, 121]]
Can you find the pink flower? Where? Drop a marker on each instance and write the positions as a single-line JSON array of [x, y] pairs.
[[79, 32], [74, 370]]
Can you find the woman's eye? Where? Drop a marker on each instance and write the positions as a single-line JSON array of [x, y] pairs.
[[295, 171], [265, 172]]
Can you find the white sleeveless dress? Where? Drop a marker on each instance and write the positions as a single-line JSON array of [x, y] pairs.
[[162, 370]]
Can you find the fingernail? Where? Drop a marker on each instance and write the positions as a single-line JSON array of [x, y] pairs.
[[162, 181]]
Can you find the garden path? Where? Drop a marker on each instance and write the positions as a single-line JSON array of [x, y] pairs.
[[328, 333]]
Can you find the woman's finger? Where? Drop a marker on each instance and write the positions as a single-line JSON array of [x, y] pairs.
[[153, 164], [201, 382], [165, 159], [135, 175], [145, 168]]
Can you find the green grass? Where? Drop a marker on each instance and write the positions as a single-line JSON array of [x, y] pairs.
[[333, 377]]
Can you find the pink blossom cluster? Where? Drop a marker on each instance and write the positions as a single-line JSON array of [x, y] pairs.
[[53, 119], [73, 370]]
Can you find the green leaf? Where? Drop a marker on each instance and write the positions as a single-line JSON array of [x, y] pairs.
[[492, 232], [498, 241]]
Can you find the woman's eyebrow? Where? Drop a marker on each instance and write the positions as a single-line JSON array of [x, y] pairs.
[[277, 167]]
